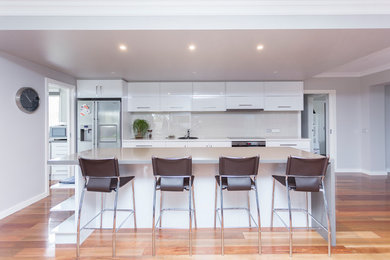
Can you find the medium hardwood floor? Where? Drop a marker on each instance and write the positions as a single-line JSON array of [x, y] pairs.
[[363, 232]]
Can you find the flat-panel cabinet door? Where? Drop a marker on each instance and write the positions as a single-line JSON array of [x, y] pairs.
[[204, 103], [208, 88], [176, 144], [283, 103], [143, 104], [283, 88], [111, 88], [175, 103], [244, 102], [175, 88], [143, 144], [142, 89], [87, 89], [244, 88]]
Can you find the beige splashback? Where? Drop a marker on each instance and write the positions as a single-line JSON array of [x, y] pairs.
[[217, 124]]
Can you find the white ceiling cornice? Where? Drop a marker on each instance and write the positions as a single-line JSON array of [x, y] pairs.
[[191, 7]]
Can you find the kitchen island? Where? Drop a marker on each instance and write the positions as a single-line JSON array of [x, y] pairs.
[[137, 162]]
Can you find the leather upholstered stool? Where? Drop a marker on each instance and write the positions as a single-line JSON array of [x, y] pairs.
[[175, 175], [102, 175], [237, 174], [303, 175]]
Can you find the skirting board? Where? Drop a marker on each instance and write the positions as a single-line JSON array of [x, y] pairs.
[[373, 173], [22, 205]]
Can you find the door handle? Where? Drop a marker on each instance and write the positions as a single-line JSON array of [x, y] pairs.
[[284, 106], [245, 105]]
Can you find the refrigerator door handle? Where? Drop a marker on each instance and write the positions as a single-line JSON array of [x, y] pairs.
[[95, 124]]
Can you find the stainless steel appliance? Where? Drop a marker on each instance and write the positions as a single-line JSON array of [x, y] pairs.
[[58, 132], [99, 124]]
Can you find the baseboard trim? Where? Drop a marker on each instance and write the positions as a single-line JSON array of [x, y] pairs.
[[367, 172], [21, 205]]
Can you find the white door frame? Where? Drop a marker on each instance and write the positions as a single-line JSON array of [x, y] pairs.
[[332, 120], [71, 119]]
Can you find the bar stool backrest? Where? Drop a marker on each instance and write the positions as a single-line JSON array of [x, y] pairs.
[[99, 168], [172, 166], [237, 166], [305, 167]]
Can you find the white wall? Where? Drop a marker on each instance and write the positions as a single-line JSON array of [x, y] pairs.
[[387, 121], [22, 157]]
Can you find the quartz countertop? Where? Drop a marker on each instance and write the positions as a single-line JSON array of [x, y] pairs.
[[200, 155]]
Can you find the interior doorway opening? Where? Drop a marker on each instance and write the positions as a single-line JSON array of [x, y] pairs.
[[315, 122], [60, 124]]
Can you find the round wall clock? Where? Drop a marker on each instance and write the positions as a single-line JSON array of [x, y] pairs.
[[27, 99]]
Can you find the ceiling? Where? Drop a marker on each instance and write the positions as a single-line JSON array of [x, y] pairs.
[[219, 55]]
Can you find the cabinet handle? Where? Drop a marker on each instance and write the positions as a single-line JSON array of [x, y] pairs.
[[245, 105], [143, 107], [284, 106], [96, 90], [175, 107], [143, 145], [209, 107], [288, 144], [101, 90]]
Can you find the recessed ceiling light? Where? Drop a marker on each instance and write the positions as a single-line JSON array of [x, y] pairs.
[[192, 47], [122, 47], [260, 47]]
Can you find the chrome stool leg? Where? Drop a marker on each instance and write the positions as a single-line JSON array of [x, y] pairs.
[[190, 215], [222, 224], [327, 218], [154, 225], [290, 217], [258, 218], [249, 210], [161, 207], [273, 204], [78, 222], [101, 210], [135, 218], [307, 210], [114, 221], [193, 204], [215, 204]]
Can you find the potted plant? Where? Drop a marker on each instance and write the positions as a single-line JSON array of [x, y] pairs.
[[140, 127]]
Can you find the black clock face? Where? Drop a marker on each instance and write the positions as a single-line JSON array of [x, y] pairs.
[[27, 100]]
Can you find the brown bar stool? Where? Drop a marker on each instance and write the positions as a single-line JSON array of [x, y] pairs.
[[237, 174], [173, 174], [103, 176], [303, 175]]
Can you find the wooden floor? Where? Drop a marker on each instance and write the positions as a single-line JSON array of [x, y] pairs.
[[363, 232]]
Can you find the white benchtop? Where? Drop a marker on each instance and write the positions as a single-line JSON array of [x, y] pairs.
[[202, 155]]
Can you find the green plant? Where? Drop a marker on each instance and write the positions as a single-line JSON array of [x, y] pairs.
[[140, 127]]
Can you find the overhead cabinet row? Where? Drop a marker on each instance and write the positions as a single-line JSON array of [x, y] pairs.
[[215, 96], [198, 96]]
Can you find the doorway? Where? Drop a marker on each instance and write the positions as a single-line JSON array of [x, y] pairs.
[[318, 121], [60, 124]]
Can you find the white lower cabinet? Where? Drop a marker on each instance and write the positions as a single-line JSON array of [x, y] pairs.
[[209, 144], [301, 144], [142, 144], [176, 144], [59, 149]]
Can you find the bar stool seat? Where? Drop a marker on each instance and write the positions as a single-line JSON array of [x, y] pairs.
[[237, 183], [107, 185]]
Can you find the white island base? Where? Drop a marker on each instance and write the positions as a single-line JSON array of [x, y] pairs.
[[137, 162]]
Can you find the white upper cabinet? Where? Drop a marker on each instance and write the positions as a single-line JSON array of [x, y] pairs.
[[175, 88], [244, 95], [208, 103], [244, 88], [208, 89], [142, 89], [175, 103], [143, 97], [283, 96], [100, 88]]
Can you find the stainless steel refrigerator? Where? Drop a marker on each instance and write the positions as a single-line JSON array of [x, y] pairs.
[[98, 124]]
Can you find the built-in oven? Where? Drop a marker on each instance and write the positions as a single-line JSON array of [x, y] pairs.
[[248, 143]]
